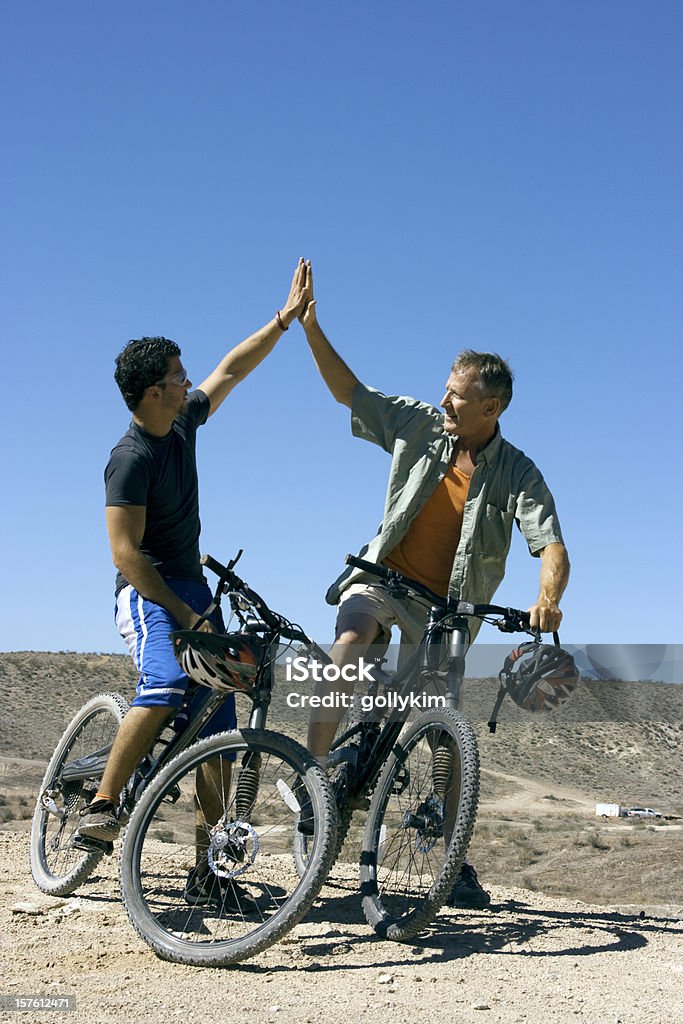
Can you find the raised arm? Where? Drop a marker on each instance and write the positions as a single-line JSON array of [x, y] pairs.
[[126, 528], [246, 356], [333, 370], [545, 614]]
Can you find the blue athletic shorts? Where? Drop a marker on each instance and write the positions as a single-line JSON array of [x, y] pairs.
[[145, 627]]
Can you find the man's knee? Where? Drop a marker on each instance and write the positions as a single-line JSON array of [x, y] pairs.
[[357, 631]]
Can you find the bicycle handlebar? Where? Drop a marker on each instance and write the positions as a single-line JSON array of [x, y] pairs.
[[229, 580], [514, 619]]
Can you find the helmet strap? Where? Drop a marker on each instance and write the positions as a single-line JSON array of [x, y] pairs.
[[493, 721]]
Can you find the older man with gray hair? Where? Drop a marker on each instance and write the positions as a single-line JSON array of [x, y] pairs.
[[456, 487]]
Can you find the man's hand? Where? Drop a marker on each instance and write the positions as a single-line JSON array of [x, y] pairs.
[[545, 615], [333, 370], [297, 298], [308, 314], [188, 618]]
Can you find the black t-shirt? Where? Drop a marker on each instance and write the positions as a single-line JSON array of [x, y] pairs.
[[161, 474]]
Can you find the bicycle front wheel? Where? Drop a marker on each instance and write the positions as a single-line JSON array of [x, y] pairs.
[[419, 824], [70, 782], [207, 872]]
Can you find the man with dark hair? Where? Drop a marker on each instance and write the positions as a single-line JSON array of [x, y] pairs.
[[139, 363], [152, 514], [455, 489]]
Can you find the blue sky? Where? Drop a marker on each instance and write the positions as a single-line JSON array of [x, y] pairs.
[[498, 176]]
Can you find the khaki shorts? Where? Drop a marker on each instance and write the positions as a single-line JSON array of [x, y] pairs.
[[409, 615], [375, 600]]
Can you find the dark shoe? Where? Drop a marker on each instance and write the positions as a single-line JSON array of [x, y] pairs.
[[467, 892], [208, 890], [100, 821]]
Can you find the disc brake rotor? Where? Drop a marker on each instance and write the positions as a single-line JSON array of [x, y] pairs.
[[233, 848]]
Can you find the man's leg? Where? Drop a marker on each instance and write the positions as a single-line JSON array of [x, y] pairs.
[[357, 632], [366, 616], [203, 886], [133, 741]]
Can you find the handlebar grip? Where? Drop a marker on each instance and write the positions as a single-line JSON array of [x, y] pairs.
[[213, 565], [371, 567]]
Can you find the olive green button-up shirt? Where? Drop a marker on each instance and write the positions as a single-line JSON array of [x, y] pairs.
[[505, 487]]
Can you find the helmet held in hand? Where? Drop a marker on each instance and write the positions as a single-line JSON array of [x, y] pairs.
[[539, 677]]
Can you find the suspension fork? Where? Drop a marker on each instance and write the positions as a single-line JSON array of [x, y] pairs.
[[458, 642], [445, 654], [445, 660], [249, 774]]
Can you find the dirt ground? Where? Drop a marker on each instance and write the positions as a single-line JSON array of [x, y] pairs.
[[530, 958]]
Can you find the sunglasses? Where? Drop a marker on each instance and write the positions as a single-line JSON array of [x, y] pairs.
[[178, 378]]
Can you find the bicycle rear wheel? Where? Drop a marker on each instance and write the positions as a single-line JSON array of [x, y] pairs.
[[242, 847], [419, 824], [70, 783]]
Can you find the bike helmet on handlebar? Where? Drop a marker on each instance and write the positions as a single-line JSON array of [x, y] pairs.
[[538, 677], [223, 662]]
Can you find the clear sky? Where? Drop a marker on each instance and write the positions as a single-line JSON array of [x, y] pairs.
[[502, 176]]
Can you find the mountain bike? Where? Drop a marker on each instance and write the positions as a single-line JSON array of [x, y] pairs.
[[230, 802], [418, 780]]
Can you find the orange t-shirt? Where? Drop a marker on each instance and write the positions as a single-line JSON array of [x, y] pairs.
[[427, 551]]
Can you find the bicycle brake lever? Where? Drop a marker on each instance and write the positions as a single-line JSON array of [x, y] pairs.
[[515, 623], [235, 560], [505, 627]]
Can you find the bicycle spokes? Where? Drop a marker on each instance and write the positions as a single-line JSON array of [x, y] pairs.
[[210, 877]]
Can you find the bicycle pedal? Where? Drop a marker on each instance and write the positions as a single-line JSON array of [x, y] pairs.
[[92, 845]]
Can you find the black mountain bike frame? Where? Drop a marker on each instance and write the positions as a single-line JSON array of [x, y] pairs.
[[439, 659]]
